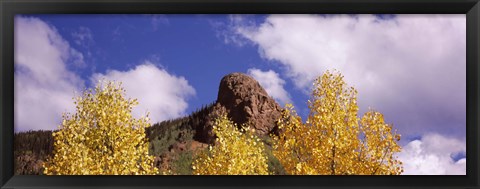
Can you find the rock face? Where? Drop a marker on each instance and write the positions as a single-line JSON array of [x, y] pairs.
[[206, 132], [247, 102]]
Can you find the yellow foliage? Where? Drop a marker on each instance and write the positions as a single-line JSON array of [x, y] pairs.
[[332, 141], [236, 152], [102, 137]]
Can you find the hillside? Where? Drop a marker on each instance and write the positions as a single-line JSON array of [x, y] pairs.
[[174, 143]]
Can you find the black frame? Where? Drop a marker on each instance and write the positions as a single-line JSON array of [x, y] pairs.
[[8, 8]]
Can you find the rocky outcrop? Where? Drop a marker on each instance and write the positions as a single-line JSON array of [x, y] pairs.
[[207, 130], [247, 102]]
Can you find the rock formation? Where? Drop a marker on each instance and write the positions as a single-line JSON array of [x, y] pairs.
[[247, 102]]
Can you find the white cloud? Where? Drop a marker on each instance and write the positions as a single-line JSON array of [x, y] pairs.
[[44, 87], [83, 36], [411, 68], [228, 32], [162, 94], [158, 20], [272, 83], [432, 155]]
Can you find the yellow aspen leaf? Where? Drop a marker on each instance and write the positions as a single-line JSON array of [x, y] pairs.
[[233, 153], [333, 140], [92, 125]]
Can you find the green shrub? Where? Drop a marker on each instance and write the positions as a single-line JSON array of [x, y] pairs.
[[183, 163], [274, 165]]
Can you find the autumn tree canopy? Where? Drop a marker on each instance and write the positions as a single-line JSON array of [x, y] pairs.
[[333, 140], [101, 137], [236, 152]]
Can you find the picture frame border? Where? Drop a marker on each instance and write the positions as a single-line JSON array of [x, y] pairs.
[[10, 8]]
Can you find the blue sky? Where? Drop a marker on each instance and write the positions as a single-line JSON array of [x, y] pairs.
[[409, 67], [187, 46]]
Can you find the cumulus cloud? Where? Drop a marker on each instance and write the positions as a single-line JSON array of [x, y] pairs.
[[162, 94], [412, 68], [43, 85], [432, 155], [273, 84]]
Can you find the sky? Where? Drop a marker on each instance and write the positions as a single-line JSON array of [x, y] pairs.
[[411, 68]]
